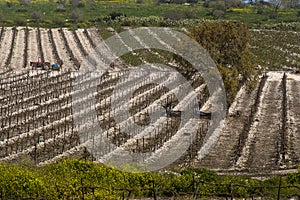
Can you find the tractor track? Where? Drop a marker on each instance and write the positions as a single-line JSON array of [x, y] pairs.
[[47, 47], [242, 144], [25, 53], [69, 50], [89, 49], [284, 141], [293, 120], [265, 148], [54, 48], [39, 43], [2, 33], [79, 44], [87, 35], [68, 64], [5, 45], [32, 50], [17, 60], [9, 57]]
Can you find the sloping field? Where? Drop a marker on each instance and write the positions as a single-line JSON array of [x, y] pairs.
[[264, 135], [260, 133], [19, 46]]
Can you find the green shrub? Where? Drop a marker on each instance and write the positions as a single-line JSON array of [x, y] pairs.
[[227, 43], [64, 180], [217, 14], [37, 16], [20, 22], [60, 8]]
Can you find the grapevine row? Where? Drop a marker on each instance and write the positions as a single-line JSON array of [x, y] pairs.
[[69, 50], [247, 126], [25, 55], [8, 60], [39, 43], [54, 48]]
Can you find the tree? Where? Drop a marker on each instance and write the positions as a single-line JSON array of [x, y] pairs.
[[276, 5], [61, 6], [75, 15], [36, 15], [77, 3], [91, 4], [227, 43]]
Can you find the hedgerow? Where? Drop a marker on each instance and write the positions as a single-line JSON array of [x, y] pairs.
[[65, 180]]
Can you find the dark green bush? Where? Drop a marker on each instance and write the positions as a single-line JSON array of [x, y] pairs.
[[227, 43]]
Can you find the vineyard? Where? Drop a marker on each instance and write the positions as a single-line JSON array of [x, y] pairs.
[[260, 133], [66, 48], [277, 48]]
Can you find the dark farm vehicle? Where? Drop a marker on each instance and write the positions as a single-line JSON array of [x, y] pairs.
[[44, 65], [40, 65]]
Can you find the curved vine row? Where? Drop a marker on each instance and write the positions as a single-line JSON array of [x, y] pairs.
[[89, 38], [54, 48], [69, 50], [243, 136], [39, 42], [283, 145], [1, 33], [8, 60], [25, 54], [79, 44]]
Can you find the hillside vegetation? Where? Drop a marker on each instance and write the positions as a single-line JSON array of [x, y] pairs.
[[81, 13], [227, 43], [76, 179]]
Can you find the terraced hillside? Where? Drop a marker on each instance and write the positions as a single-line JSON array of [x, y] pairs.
[[260, 133], [19, 46]]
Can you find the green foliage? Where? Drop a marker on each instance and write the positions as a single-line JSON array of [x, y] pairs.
[[227, 43], [218, 14], [16, 182], [37, 16], [75, 16], [276, 48], [94, 11], [175, 15], [64, 180]]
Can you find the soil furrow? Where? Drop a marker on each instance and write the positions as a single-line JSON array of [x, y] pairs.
[[32, 46], [69, 49], [223, 154], [61, 49], [293, 119], [17, 61], [265, 149]]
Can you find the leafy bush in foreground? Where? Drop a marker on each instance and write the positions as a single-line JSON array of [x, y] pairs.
[[64, 180]]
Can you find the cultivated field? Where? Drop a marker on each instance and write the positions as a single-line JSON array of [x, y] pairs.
[[261, 131], [21, 45]]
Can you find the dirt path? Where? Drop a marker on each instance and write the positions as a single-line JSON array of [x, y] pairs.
[[18, 52], [95, 36], [5, 46], [293, 113], [74, 47], [33, 54], [47, 48], [62, 52], [88, 47], [264, 150], [222, 155], [101, 56]]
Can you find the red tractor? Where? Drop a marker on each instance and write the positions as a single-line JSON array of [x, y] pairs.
[[40, 65], [44, 65]]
